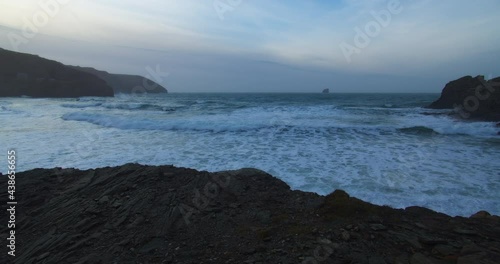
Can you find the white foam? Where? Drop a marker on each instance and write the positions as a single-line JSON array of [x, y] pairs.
[[312, 148], [448, 125], [81, 105]]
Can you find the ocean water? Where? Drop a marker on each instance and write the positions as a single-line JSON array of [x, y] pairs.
[[381, 148]]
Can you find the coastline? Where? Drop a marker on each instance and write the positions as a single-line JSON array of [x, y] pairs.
[[163, 214]]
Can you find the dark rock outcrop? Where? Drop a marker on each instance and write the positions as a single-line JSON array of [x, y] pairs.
[[472, 97], [325, 91], [146, 214], [122, 83], [29, 75]]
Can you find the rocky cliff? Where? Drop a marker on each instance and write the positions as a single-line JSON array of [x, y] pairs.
[[122, 83], [146, 214], [29, 75], [472, 97]]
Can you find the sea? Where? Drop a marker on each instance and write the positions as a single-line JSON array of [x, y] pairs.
[[387, 149]]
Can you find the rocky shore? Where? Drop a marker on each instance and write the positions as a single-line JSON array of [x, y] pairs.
[[147, 214], [471, 98]]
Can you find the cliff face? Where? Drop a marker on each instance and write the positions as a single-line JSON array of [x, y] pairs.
[[122, 83], [475, 97], [30, 75]]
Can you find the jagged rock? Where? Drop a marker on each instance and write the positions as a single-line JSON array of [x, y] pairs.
[[481, 214], [419, 258], [465, 231], [411, 239], [376, 260], [153, 244], [378, 227], [470, 249], [480, 258], [345, 235], [477, 98], [444, 250], [402, 259], [104, 199], [172, 216], [44, 255]]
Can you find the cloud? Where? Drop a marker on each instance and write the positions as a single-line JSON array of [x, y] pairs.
[[427, 38], [427, 32]]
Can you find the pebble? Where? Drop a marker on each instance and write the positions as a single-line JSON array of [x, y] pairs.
[[44, 255], [378, 227], [345, 235], [470, 249], [465, 231], [419, 258], [443, 250]]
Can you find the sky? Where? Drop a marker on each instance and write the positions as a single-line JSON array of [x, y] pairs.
[[265, 46]]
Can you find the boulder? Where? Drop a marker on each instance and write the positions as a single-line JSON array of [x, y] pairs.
[[481, 214], [472, 97]]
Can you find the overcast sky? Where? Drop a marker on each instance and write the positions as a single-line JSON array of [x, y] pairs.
[[265, 46]]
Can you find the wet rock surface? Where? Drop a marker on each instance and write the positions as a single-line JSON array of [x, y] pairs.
[[145, 214]]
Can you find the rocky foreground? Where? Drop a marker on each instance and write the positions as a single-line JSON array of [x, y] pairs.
[[145, 214]]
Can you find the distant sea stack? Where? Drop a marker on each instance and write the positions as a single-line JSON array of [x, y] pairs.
[[473, 97], [325, 91], [30, 75], [122, 83]]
